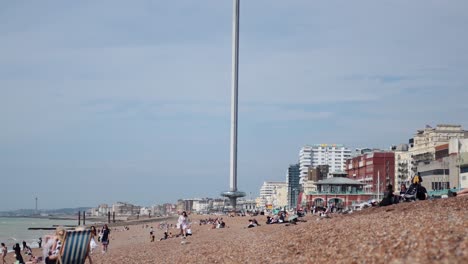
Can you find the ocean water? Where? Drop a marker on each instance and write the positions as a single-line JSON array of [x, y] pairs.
[[15, 230]]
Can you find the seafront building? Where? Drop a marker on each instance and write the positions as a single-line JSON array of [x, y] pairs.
[[340, 191], [273, 194], [375, 170], [448, 169], [292, 180], [123, 208], [333, 155], [427, 153]]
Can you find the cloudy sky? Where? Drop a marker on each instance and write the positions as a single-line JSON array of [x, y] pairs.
[[105, 101]]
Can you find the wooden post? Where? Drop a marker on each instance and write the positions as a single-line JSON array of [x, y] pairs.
[[84, 217], [113, 217], [79, 217], [108, 217]]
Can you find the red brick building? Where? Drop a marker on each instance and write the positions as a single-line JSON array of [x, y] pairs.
[[368, 167]]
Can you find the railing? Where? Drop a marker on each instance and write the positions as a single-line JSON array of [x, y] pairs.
[[441, 192]]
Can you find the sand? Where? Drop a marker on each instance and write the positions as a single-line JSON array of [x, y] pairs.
[[434, 231]]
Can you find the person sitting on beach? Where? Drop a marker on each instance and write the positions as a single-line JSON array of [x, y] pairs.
[[53, 245], [402, 193], [253, 223], [459, 193], [166, 236], [389, 197]]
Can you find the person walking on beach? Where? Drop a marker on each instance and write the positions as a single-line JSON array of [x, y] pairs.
[[40, 242], [92, 243], [4, 251], [182, 222], [105, 238], [18, 256], [27, 250]]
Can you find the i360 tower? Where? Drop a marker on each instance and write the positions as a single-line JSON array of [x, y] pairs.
[[233, 193]]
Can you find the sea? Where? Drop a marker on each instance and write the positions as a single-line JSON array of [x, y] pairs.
[[15, 230]]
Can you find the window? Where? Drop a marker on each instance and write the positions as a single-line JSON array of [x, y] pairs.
[[463, 169]]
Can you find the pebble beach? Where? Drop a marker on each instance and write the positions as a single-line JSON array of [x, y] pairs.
[[434, 231]]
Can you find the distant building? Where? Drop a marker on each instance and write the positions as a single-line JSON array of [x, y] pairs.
[[103, 209], [158, 210], [372, 169], [146, 211], [292, 180], [248, 205], [333, 155], [428, 138], [403, 166], [122, 208], [421, 150], [269, 189], [185, 205], [448, 169], [339, 191], [280, 196], [318, 173], [202, 206]]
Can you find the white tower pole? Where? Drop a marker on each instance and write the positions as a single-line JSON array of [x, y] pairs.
[[234, 84]]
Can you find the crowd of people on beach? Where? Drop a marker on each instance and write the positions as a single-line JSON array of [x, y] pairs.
[[213, 222], [53, 245]]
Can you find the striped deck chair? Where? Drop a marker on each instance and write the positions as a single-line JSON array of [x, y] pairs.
[[75, 248]]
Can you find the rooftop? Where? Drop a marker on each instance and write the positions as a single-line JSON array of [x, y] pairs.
[[339, 181]]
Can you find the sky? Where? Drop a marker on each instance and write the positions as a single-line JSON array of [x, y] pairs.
[[106, 101]]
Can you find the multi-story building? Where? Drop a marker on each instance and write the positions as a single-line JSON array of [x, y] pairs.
[[269, 189], [103, 209], [122, 208], [403, 166], [333, 155], [305, 161], [448, 169], [376, 170], [280, 196], [248, 205], [421, 151], [425, 140], [202, 205], [294, 187]]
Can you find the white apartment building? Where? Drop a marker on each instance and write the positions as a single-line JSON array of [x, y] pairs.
[[333, 155], [270, 189]]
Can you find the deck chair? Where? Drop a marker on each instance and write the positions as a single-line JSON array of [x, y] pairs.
[[75, 247]]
